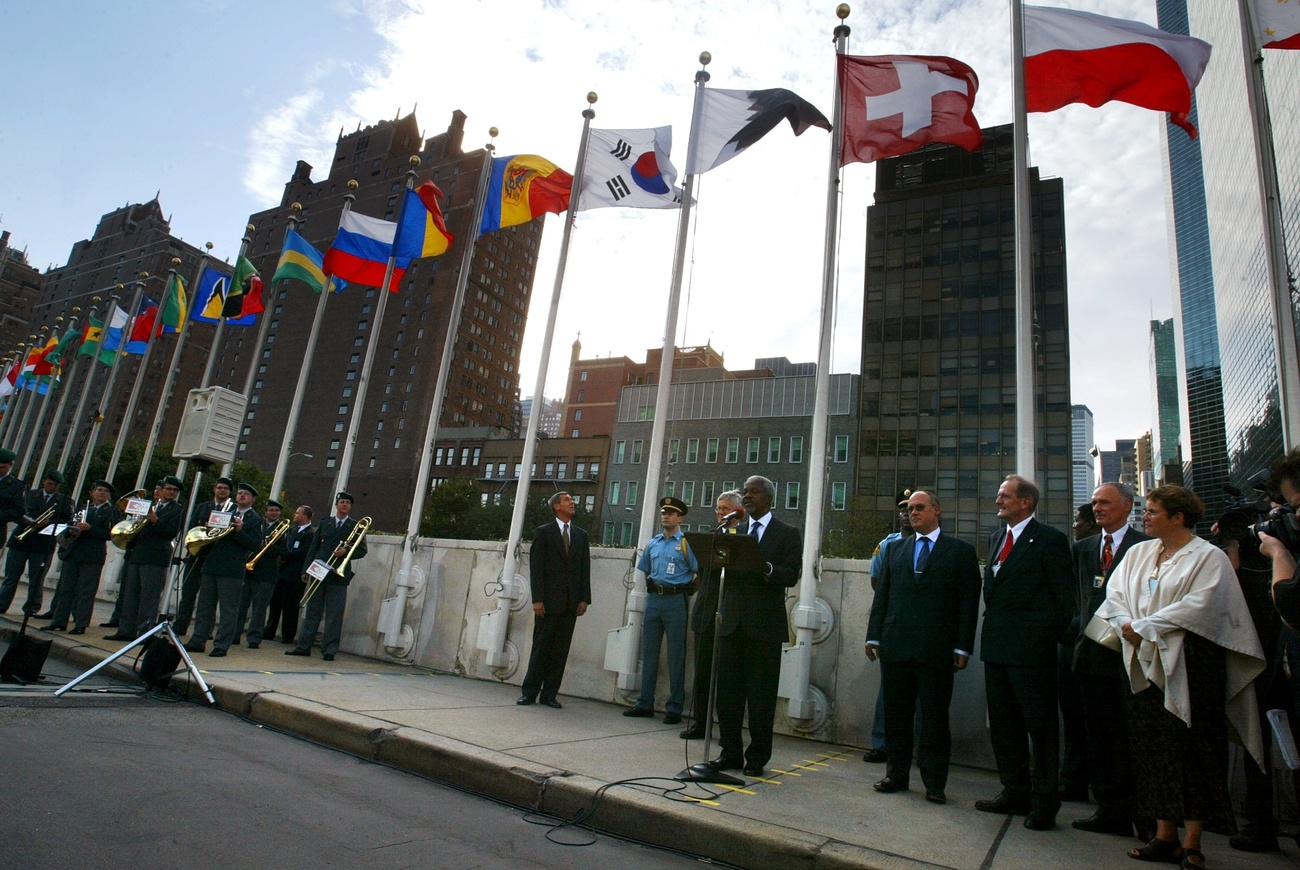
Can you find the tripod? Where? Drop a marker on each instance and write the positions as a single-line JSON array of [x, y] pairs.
[[163, 628]]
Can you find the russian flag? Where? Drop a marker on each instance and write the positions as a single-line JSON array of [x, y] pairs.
[[361, 251], [1080, 57]]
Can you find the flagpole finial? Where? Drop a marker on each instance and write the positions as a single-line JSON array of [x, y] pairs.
[[414, 160], [589, 112], [842, 11], [76, 309], [352, 184], [493, 132]]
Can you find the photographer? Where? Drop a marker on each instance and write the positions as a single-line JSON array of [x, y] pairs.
[[1286, 583]]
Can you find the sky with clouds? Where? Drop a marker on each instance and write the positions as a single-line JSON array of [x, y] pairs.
[[210, 104]]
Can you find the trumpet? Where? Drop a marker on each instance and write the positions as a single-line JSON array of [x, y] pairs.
[[124, 532], [340, 567], [71, 532], [277, 532], [37, 524]]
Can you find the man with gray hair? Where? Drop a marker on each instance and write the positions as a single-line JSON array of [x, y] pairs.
[[729, 513]]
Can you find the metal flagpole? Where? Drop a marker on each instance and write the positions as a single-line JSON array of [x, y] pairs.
[[164, 398], [367, 364], [797, 659], [64, 392], [623, 644], [1281, 298], [264, 322], [92, 374], [1026, 424], [29, 441], [17, 403], [390, 614], [309, 352], [20, 428]]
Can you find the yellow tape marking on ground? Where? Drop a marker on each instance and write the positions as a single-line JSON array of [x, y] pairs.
[[818, 763], [769, 781], [708, 801], [785, 772], [838, 757], [735, 788]]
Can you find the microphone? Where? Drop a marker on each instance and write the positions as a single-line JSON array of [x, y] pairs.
[[736, 514]]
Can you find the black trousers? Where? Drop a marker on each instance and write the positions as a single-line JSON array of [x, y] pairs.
[[703, 672], [904, 684], [748, 673], [191, 580], [1107, 733], [551, 638], [1022, 714], [283, 612], [1075, 762], [75, 597]]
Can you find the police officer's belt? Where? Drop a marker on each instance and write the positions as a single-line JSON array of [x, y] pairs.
[[664, 589]]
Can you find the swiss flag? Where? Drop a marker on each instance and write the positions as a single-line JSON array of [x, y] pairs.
[[896, 103]]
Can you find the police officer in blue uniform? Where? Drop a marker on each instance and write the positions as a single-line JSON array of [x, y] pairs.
[[669, 567]]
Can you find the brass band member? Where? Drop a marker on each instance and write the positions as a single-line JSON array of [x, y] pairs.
[[192, 570], [330, 600], [259, 584], [291, 554], [29, 549], [83, 561], [223, 576], [13, 492], [147, 558]]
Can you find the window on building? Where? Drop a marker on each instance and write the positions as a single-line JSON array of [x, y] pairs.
[[625, 535], [580, 469], [841, 449], [577, 415], [607, 535], [549, 470], [437, 456], [582, 376], [792, 496], [774, 449], [334, 444], [595, 470], [562, 471], [711, 450], [614, 491], [589, 502], [693, 450], [688, 491], [674, 450], [839, 495], [338, 427], [331, 462], [751, 450], [620, 448], [706, 494], [733, 450], [796, 448], [636, 451]]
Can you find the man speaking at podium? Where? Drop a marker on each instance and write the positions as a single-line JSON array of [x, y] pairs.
[[754, 626]]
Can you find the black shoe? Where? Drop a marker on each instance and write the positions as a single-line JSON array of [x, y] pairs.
[[672, 718], [1099, 823], [118, 636], [195, 647], [695, 732], [49, 614], [936, 797], [252, 644], [217, 653], [112, 623], [329, 657], [875, 756], [638, 713], [752, 769], [1040, 820], [525, 701], [722, 762], [1075, 793], [1253, 841], [889, 785], [292, 640], [1005, 805], [552, 703], [55, 628], [297, 652], [76, 631]]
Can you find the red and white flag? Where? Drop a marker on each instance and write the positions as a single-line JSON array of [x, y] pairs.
[[1080, 57], [1278, 23], [896, 103], [8, 379]]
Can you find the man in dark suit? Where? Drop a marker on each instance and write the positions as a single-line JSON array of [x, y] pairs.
[[192, 568], [33, 551], [223, 577], [148, 556], [922, 628], [289, 555], [13, 492], [559, 571], [83, 561], [1099, 672], [329, 541], [1029, 599], [703, 616], [754, 625], [259, 584]]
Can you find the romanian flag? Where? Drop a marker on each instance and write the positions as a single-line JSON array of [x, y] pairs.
[[521, 188], [421, 230], [300, 261], [361, 251]]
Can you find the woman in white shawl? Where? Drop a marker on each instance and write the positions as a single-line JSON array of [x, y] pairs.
[[1190, 653]]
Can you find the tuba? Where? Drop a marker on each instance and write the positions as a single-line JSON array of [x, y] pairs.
[[339, 565], [124, 532], [277, 532]]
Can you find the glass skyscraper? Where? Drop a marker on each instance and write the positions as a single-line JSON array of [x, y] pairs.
[[1164, 396]]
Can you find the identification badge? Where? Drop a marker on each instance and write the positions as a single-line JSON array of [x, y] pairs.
[[219, 520], [296, 543], [1099, 581], [319, 569], [672, 568]]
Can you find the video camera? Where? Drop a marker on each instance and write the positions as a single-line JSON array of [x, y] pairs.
[[1245, 519]]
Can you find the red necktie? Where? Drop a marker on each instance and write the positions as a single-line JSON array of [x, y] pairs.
[[1006, 547], [1107, 554]]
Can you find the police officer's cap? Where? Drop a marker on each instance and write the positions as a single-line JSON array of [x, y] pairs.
[[904, 495], [668, 503]]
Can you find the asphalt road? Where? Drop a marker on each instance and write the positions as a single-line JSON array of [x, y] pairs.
[[133, 781]]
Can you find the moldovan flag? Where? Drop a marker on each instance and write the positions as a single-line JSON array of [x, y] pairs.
[[523, 187], [894, 104], [1079, 57], [421, 229], [361, 250], [1278, 23]]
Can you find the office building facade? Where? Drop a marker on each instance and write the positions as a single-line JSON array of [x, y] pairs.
[[1083, 466]]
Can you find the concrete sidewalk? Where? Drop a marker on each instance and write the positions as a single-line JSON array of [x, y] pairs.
[[814, 808]]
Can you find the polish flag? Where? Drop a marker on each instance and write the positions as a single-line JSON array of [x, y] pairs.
[[1080, 57], [896, 103], [1278, 23]]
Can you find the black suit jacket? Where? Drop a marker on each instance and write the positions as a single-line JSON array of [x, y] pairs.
[[88, 547], [227, 555], [153, 545], [1091, 657], [1029, 603], [326, 539], [559, 583], [755, 603], [36, 505], [925, 617], [13, 500], [290, 552]]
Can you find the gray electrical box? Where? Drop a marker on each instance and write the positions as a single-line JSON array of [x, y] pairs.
[[210, 425]]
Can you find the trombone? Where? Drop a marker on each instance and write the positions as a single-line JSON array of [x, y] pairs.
[[277, 532], [340, 565], [37, 524]]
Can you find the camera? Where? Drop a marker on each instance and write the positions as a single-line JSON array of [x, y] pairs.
[[1281, 524]]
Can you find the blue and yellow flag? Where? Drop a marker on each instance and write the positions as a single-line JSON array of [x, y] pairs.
[[522, 187]]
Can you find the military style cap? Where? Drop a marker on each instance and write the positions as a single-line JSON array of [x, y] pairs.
[[55, 475], [112, 492], [173, 480], [344, 494], [227, 481], [668, 503], [7, 455], [249, 488], [270, 502]]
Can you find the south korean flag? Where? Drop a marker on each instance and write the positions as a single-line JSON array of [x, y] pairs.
[[629, 168]]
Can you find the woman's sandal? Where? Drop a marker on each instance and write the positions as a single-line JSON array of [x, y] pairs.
[[1166, 851], [1188, 855]]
